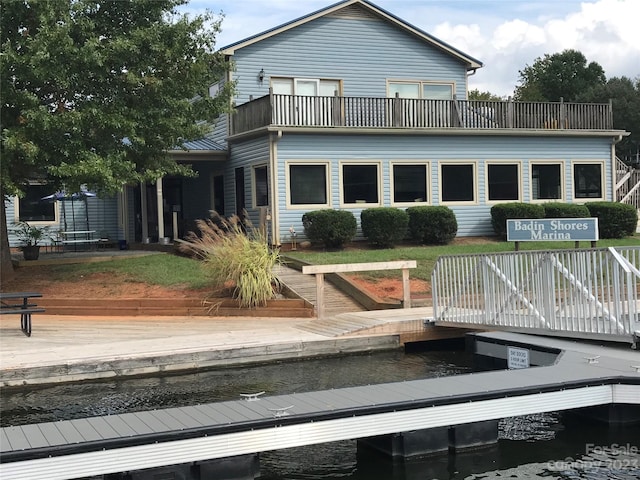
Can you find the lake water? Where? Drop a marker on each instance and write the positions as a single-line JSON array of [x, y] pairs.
[[549, 446]]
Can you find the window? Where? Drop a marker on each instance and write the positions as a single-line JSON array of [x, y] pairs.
[[308, 184], [546, 181], [587, 180], [418, 89], [360, 183], [261, 186], [409, 183], [503, 182], [457, 182], [31, 207]]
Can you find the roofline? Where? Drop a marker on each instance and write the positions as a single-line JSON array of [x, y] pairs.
[[472, 63]]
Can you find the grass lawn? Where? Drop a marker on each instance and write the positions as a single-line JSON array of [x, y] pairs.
[[426, 256]]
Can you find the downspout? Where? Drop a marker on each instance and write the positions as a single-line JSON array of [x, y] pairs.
[[614, 168], [273, 201]]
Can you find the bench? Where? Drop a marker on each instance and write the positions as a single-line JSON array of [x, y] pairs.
[[79, 237], [320, 270], [9, 306]]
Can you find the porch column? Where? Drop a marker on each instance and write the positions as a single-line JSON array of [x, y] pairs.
[[159, 199], [143, 208]]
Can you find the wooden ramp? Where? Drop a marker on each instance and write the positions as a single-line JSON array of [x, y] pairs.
[[304, 286]]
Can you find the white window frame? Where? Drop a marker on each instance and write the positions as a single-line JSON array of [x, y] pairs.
[[378, 165], [254, 190], [603, 185], [427, 165], [421, 84], [327, 184], [476, 196], [563, 186], [489, 163], [56, 211]]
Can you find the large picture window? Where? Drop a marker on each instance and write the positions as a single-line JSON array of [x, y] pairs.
[[503, 182], [409, 183], [308, 184], [457, 182], [360, 184], [546, 181], [587, 180], [261, 186], [31, 207]]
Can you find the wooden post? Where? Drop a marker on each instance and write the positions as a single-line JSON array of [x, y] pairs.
[[406, 289], [320, 295]]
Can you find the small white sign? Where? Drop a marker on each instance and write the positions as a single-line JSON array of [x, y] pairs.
[[517, 358]]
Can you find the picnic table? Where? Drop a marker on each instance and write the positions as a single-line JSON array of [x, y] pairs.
[[79, 237], [10, 306]]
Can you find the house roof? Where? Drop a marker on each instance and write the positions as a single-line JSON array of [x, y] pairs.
[[201, 144], [471, 62]]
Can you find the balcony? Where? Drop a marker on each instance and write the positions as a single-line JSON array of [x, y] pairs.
[[405, 113]]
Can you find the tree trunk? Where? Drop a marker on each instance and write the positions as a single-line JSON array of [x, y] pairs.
[[6, 267]]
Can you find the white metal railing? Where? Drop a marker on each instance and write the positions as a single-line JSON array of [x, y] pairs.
[[581, 293]]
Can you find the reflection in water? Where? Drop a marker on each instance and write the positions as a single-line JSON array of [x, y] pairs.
[[549, 446]]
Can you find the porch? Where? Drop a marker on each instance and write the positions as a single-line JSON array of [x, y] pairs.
[[378, 113]]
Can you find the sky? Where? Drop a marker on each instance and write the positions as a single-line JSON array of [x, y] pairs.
[[505, 35]]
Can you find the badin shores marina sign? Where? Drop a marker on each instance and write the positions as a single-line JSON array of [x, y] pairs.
[[550, 229]]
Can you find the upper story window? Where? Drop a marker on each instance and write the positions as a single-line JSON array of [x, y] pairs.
[[31, 207], [421, 89], [311, 87]]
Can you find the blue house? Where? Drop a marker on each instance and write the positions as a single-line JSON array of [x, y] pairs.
[[351, 107]]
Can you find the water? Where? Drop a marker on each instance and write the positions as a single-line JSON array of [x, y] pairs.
[[550, 446]]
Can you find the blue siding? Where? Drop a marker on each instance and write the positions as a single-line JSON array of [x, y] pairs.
[[364, 53], [245, 154], [473, 220]]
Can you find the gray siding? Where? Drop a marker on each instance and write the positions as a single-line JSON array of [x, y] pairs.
[[473, 220], [364, 53]]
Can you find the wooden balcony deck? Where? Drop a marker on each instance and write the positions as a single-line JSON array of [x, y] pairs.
[[378, 112]]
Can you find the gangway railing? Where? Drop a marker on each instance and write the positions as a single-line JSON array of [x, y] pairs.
[[591, 293]]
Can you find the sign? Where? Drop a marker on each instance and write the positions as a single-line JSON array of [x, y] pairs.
[[552, 229], [517, 358]]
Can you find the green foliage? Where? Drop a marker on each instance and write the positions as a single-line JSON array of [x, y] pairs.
[[476, 94], [624, 94], [96, 93], [230, 254], [501, 212], [29, 235], [561, 75], [331, 228], [615, 220], [384, 226], [565, 210], [432, 225]]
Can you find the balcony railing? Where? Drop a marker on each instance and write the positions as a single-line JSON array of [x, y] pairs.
[[376, 112]]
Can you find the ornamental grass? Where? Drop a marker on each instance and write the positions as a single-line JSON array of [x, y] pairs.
[[237, 253]]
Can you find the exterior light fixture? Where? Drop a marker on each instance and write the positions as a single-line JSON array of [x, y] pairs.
[[261, 75]]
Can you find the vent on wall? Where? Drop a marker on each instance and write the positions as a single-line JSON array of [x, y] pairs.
[[354, 11]]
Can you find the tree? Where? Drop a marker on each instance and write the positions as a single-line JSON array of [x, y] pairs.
[[625, 99], [561, 75], [96, 93], [476, 94]]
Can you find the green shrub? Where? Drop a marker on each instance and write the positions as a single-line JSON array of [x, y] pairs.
[[565, 210], [230, 254], [432, 225], [615, 220], [384, 226], [501, 212], [331, 228]]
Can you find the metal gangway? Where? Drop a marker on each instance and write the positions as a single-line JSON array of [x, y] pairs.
[[582, 293]]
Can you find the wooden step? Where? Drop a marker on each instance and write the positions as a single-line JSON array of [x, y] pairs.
[[173, 307]]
